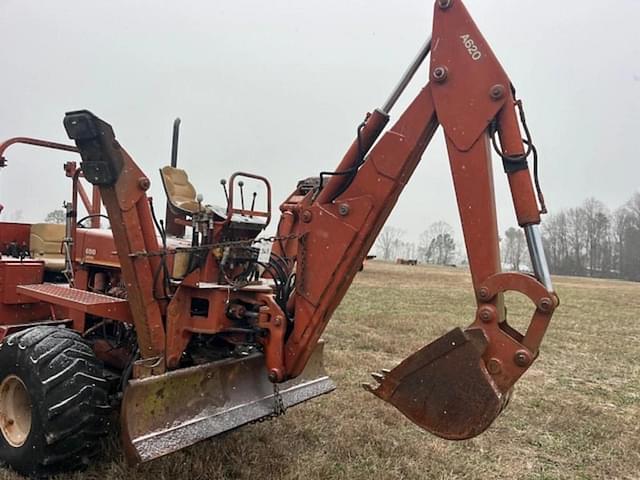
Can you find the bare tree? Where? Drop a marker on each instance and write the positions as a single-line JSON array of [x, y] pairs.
[[576, 239], [514, 247], [589, 240], [424, 241], [622, 221], [407, 250], [55, 216], [442, 249], [556, 234], [597, 238], [388, 241], [630, 260], [436, 244]]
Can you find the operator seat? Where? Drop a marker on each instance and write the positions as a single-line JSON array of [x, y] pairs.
[[181, 193], [45, 243]]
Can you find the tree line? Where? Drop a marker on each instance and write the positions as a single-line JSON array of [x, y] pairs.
[[590, 240], [435, 245]]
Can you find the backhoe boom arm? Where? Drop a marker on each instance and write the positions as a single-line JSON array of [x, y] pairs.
[[466, 374]]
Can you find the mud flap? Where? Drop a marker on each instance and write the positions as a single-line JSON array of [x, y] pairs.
[[165, 413], [445, 387]]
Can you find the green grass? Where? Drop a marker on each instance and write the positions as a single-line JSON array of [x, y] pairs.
[[574, 415]]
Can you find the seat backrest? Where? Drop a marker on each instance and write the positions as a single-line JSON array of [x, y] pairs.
[[181, 194], [45, 243]]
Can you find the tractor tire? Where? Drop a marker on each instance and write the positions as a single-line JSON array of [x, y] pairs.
[[54, 405]]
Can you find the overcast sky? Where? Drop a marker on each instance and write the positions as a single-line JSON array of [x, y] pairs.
[[277, 87]]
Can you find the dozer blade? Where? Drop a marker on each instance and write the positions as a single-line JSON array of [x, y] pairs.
[[164, 413], [444, 387]]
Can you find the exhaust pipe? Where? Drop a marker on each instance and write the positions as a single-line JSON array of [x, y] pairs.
[[170, 225], [174, 142]]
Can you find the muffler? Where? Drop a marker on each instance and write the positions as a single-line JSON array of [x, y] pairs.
[[165, 413]]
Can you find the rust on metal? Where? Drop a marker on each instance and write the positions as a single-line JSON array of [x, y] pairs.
[[36, 143], [445, 387], [131, 223], [164, 413], [79, 300], [454, 387], [231, 209]]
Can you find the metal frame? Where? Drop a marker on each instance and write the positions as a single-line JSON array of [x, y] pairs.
[[327, 233]]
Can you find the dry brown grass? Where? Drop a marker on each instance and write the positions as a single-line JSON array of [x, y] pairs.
[[573, 415]]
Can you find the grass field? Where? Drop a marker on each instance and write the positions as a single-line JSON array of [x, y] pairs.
[[574, 415]]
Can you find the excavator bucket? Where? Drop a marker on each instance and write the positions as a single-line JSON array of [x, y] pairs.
[[164, 413], [445, 387]]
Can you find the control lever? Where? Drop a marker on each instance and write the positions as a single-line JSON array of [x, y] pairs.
[[253, 203], [223, 182], [241, 185]]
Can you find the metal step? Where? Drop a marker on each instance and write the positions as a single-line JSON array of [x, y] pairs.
[[80, 300]]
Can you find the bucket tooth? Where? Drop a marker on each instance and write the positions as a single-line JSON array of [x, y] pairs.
[[165, 413], [445, 387], [378, 377], [368, 387]]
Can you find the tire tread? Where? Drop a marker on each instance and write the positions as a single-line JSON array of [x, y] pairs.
[[75, 410]]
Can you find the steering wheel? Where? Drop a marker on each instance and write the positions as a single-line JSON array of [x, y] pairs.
[[87, 217]]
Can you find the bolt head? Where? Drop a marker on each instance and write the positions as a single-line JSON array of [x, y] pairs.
[[439, 74], [144, 183], [545, 304], [278, 321], [343, 209], [444, 4], [522, 358], [306, 216], [483, 293], [497, 92], [486, 314], [494, 366]]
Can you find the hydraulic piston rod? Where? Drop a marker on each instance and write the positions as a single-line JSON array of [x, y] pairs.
[[370, 132], [406, 78], [538, 257]]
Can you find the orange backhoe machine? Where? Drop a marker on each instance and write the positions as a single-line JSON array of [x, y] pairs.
[[196, 325]]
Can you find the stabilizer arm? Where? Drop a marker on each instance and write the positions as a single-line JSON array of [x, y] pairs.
[[123, 189]]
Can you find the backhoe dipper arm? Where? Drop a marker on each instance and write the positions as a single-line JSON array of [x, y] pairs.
[[456, 386]]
